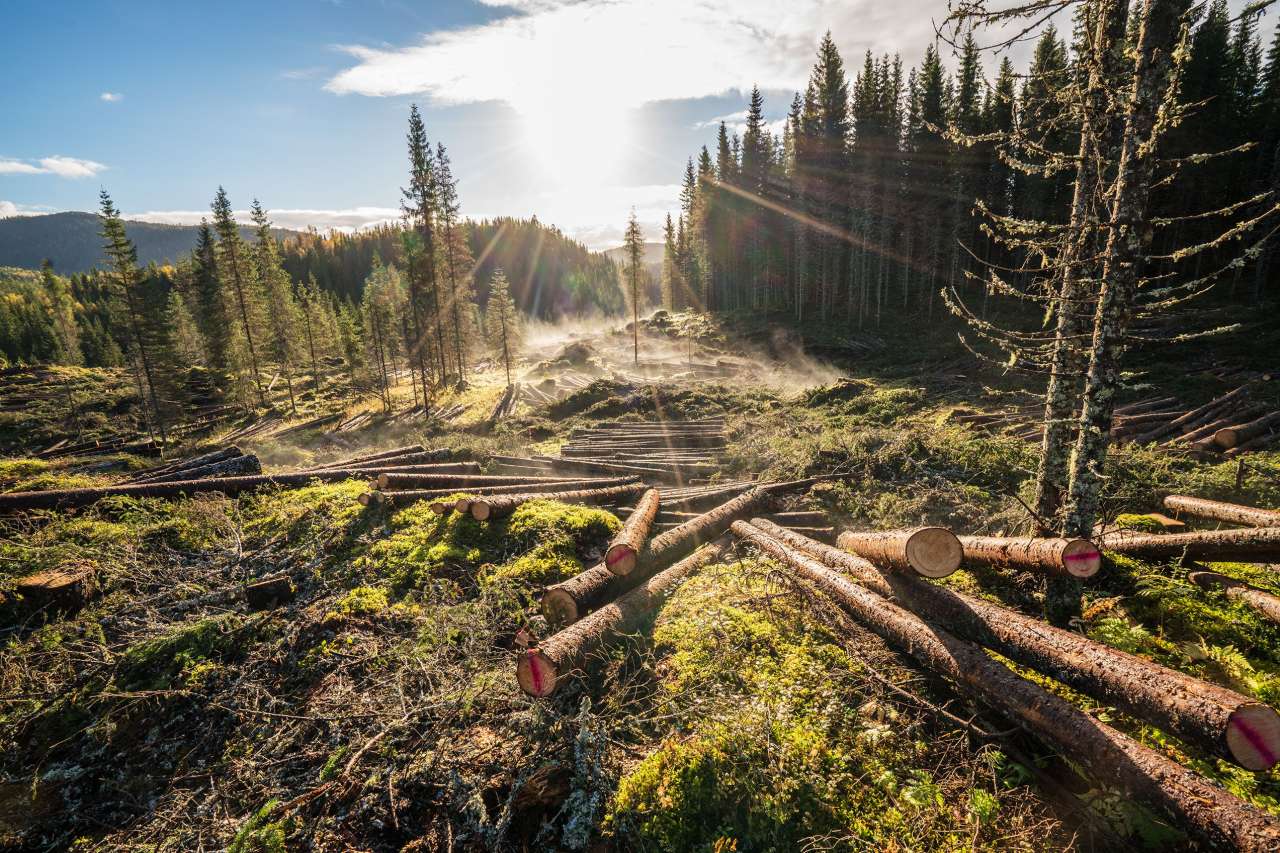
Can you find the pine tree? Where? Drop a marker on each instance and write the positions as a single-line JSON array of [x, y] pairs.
[[633, 245], [233, 270], [502, 322], [124, 276]]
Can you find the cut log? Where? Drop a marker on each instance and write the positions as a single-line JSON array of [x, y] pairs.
[[1255, 545], [433, 468], [1144, 406], [500, 506], [193, 462], [397, 481], [1193, 417], [1221, 511], [385, 454], [1258, 442], [63, 590], [409, 461], [405, 497], [1216, 719], [568, 601], [269, 593], [1231, 436], [236, 466], [1213, 816], [1077, 558], [1260, 600], [230, 486], [620, 557], [931, 552], [542, 669]]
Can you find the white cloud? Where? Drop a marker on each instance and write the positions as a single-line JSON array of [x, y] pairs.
[[64, 167], [9, 208], [740, 117], [299, 219], [111, 97]]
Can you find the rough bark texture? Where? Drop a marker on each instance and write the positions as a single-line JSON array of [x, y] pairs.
[[1194, 417], [1260, 600], [1127, 240], [931, 552], [1232, 436], [189, 464], [408, 496], [570, 600], [1214, 718], [237, 466], [1256, 545], [66, 498], [431, 458], [1222, 511], [1210, 814], [397, 481], [386, 454], [500, 506], [620, 557], [542, 669], [1073, 557]]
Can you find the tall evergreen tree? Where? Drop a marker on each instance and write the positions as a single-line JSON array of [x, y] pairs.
[[277, 291], [633, 245], [234, 270], [502, 322]]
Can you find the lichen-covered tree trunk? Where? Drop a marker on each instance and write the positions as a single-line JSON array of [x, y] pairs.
[[1127, 238], [1066, 368]]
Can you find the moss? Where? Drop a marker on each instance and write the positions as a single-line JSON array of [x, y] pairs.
[[1133, 521], [361, 601], [261, 834], [181, 655]]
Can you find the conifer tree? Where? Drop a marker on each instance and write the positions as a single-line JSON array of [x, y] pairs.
[[502, 322], [210, 298], [123, 257], [419, 204], [457, 261], [311, 306], [234, 270], [633, 244], [62, 316], [277, 291], [670, 264]]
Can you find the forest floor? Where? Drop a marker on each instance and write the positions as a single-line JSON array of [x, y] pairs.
[[378, 710]]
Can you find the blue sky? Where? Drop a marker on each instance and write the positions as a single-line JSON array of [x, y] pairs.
[[571, 109]]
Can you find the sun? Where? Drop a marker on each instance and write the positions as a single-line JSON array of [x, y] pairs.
[[575, 143]]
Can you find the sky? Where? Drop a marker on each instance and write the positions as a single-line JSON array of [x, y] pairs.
[[573, 110]]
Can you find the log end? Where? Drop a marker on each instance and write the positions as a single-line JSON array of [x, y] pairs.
[[620, 559], [462, 505], [1226, 438], [536, 674], [383, 481], [559, 608], [441, 507], [934, 552], [366, 499], [1081, 558], [480, 510], [1253, 736]]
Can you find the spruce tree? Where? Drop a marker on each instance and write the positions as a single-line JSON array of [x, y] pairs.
[[457, 261], [502, 322], [277, 292], [233, 269], [633, 244], [210, 297], [62, 316]]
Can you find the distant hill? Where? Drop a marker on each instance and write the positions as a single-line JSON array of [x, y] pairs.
[[72, 242], [652, 256]]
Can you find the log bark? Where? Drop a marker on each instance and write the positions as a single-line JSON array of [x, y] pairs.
[[230, 486], [1259, 442], [1078, 558], [1178, 424], [597, 467], [1144, 406], [1209, 813], [931, 552], [542, 669], [429, 459], [1231, 436], [1216, 719], [1222, 511], [1260, 600], [385, 454], [405, 497], [237, 466], [500, 506], [620, 557], [568, 601], [392, 480], [1256, 545], [200, 461]]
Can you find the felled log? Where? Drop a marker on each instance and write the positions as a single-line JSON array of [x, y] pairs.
[[1193, 417], [385, 454], [1078, 558], [1216, 719], [200, 461], [408, 461], [540, 670], [1258, 442], [931, 552], [1256, 545], [230, 486], [597, 467], [499, 407], [1144, 406], [1213, 816], [566, 602], [1206, 433], [62, 590], [236, 466], [1222, 511], [399, 481], [1232, 436], [1259, 599], [500, 506], [269, 593], [620, 557], [407, 496]]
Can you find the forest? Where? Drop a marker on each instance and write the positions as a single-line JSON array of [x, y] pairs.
[[928, 498]]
